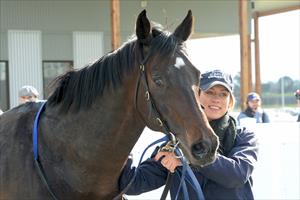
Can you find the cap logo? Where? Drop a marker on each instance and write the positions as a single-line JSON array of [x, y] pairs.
[[215, 74], [219, 75]]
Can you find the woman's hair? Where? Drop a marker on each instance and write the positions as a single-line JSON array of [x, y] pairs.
[[232, 101]]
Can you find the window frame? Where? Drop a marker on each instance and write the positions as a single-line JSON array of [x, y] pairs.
[[70, 62], [6, 65]]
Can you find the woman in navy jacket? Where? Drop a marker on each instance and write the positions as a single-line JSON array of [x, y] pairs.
[[229, 177]]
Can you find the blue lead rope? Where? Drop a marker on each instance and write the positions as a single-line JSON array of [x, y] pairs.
[[37, 163], [187, 175], [163, 139], [190, 178], [35, 132]]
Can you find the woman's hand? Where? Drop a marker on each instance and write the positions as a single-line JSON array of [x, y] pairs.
[[168, 160]]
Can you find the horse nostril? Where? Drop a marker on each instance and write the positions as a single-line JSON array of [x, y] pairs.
[[200, 149]]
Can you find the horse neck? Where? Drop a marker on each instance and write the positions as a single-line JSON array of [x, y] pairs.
[[105, 133]]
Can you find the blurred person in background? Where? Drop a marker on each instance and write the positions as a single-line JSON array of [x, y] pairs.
[[28, 93], [297, 95], [254, 111]]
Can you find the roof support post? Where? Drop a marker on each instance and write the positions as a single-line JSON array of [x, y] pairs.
[[257, 55], [115, 24], [246, 82]]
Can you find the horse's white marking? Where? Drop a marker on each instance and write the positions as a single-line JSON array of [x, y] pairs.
[[179, 63]]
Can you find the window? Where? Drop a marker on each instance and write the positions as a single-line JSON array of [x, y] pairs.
[[52, 69], [4, 86]]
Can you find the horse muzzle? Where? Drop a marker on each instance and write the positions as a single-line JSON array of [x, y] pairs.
[[204, 151]]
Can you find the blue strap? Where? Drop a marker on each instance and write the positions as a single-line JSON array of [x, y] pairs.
[[163, 139], [182, 185], [35, 151], [195, 183], [189, 176], [35, 132]]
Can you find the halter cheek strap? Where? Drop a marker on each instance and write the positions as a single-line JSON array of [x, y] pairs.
[[148, 97], [153, 108]]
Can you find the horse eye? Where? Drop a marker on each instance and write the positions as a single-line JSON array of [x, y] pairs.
[[158, 81]]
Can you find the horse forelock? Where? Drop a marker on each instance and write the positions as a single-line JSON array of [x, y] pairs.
[[79, 88], [164, 43]]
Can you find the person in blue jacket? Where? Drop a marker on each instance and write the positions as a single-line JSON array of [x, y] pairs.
[[229, 176], [254, 111]]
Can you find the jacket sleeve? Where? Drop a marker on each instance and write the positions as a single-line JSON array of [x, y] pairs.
[[150, 175], [235, 170], [265, 118], [239, 117]]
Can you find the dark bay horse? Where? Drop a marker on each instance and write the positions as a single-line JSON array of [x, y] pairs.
[[96, 114]]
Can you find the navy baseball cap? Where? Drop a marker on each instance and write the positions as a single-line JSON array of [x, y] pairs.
[[216, 77], [253, 96]]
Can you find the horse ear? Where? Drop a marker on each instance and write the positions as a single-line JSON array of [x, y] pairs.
[[143, 27], [184, 30]]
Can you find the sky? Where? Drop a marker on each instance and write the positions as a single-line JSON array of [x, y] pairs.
[[279, 49]]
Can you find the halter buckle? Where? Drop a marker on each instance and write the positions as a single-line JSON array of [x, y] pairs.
[[147, 95], [169, 147], [173, 139], [159, 121], [142, 67]]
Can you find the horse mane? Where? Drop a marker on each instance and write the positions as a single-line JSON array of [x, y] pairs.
[[79, 88]]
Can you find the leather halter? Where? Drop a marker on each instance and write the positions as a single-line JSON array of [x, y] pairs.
[[152, 108], [172, 145], [148, 97]]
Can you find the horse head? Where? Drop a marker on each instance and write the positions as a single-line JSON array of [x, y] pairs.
[[169, 95]]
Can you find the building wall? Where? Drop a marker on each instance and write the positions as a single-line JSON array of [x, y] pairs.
[[58, 20], [210, 16], [24, 55], [57, 46]]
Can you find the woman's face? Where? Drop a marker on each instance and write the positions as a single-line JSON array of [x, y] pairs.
[[215, 101]]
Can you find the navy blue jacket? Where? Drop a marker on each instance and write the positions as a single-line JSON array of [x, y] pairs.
[[229, 177]]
